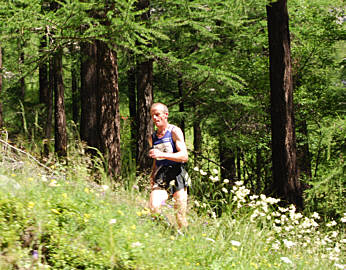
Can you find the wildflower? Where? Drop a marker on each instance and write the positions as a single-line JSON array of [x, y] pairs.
[[136, 244], [331, 224], [196, 169], [133, 227], [86, 190], [105, 187], [113, 221], [340, 266], [235, 243], [121, 213], [210, 239], [343, 219], [172, 183], [315, 215], [214, 179], [53, 183], [224, 190], [30, 179], [215, 171], [31, 205], [64, 195], [55, 211], [288, 243], [286, 260], [253, 197], [172, 237], [135, 187], [202, 172], [197, 203], [276, 245], [13, 175], [226, 181], [139, 213], [239, 183]]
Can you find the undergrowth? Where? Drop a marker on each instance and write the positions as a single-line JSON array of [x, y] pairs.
[[69, 216]]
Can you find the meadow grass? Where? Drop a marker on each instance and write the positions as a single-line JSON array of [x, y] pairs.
[[63, 219]]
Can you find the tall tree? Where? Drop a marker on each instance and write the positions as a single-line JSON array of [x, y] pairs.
[[286, 184], [88, 94], [109, 117], [59, 105], [1, 118], [131, 83], [43, 72], [144, 99]]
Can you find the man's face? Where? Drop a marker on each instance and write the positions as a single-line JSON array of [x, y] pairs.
[[159, 116]]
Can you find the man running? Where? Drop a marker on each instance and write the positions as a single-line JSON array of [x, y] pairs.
[[168, 175]]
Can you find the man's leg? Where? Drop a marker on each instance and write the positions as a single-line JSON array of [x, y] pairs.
[[157, 197], [180, 207]]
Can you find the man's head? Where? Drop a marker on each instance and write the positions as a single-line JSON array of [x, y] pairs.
[[159, 114]]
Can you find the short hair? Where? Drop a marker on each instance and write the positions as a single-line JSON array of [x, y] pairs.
[[159, 104]]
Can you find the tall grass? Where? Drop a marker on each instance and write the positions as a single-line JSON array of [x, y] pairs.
[[62, 219]]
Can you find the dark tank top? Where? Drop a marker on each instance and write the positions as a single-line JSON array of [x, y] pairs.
[[165, 144]]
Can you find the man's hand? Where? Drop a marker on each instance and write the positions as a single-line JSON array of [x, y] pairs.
[[155, 153]]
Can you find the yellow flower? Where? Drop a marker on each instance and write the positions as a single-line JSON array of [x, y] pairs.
[[31, 205], [172, 237], [234, 249], [139, 213], [204, 234], [13, 175], [121, 213], [30, 179], [86, 190], [55, 211], [64, 195], [133, 227]]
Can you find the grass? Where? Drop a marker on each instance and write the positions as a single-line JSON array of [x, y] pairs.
[[64, 220]]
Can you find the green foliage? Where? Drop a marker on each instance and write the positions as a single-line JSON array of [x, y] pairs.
[[327, 192], [64, 220]]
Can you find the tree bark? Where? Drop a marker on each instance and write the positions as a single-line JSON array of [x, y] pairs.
[[88, 95], [197, 141], [1, 116], [59, 104], [227, 161], [285, 180], [75, 93], [109, 117], [144, 122], [43, 73], [131, 82], [181, 104]]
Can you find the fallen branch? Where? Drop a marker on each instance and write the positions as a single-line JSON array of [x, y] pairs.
[[27, 154]]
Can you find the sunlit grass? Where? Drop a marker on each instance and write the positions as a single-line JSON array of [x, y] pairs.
[[67, 221]]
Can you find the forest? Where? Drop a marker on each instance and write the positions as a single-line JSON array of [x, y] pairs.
[[258, 88]]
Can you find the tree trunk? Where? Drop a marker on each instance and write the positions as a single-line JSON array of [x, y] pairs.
[[1, 118], [227, 161], [109, 121], [75, 94], [59, 105], [144, 76], [131, 82], [43, 73], [144, 122], [286, 184], [49, 107], [88, 95], [181, 104], [197, 142]]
